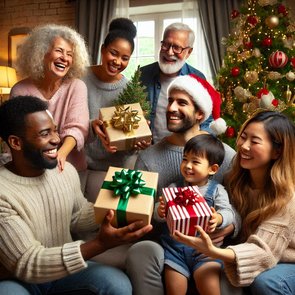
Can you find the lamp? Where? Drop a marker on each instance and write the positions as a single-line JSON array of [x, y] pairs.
[[7, 80]]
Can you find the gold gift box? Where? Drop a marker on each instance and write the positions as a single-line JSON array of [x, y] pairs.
[[121, 139], [139, 207]]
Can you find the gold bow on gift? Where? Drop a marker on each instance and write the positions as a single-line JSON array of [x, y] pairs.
[[125, 119]]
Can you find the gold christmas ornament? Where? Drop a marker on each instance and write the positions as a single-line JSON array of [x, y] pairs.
[[288, 94], [274, 75], [290, 76], [272, 21], [243, 55], [289, 42], [239, 92], [256, 52], [251, 77]]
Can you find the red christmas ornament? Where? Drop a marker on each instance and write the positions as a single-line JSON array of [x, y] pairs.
[[252, 20], [234, 14], [248, 44], [230, 132], [278, 59], [282, 9], [292, 61], [235, 71], [275, 102], [267, 42], [262, 91]]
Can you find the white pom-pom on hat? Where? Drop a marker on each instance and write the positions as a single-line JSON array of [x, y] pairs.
[[205, 96]]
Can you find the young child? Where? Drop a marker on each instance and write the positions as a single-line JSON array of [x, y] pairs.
[[202, 157], [261, 185]]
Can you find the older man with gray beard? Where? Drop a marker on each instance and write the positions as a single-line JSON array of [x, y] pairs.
[[176, 47]]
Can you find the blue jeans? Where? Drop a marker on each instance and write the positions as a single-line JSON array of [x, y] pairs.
[[96, 279], [279, 280]]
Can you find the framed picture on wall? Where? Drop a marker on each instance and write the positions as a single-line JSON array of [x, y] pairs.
[[15, 38]]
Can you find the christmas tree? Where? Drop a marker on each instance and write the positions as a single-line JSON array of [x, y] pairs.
[[258, 70], [135, 92]]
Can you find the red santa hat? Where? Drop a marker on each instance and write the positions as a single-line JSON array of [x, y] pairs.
[[205, 96]]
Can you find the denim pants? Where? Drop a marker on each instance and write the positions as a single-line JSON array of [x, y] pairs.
[[96, 279], [279, 280]]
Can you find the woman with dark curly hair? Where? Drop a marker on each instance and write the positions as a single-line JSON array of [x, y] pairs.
[[52, 60], [104, 84]]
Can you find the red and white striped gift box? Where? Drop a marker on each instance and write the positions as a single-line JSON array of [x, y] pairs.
[[186, 208]]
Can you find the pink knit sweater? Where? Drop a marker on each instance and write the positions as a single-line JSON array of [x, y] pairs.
[[69, 108]]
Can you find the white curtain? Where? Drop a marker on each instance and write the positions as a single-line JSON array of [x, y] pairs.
[[122, 8], [190, 9]]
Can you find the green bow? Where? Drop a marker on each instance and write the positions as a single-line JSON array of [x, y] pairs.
[[126, 183]]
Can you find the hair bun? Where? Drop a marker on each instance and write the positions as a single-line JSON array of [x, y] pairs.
[[123, 24]]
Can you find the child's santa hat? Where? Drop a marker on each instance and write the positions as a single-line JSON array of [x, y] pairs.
[[205, 96]]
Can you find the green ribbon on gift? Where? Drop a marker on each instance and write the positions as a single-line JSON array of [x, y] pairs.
[[126, 183]]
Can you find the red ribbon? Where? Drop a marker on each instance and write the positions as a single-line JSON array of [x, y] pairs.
[[185, 197]]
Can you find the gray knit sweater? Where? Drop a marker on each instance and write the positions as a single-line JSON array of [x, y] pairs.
[[101, 95], [37, 217], [165, 158]]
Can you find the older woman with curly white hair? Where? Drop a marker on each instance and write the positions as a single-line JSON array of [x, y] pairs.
[[52, 60]]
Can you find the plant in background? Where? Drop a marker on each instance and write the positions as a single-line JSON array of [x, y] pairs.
[[135, 92]]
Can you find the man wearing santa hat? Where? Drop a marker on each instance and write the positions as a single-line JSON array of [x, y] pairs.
[[191, 100]]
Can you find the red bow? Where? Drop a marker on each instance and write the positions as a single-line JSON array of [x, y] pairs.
[[185, 197]]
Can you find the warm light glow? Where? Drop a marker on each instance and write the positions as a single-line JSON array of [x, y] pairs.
[[7, 79]]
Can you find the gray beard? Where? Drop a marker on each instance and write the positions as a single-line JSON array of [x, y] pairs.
[[171, 69]]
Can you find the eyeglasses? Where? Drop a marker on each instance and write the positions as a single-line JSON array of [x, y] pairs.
[[176, 49]]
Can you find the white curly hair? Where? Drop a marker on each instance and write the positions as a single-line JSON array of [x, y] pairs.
[[31, 53]]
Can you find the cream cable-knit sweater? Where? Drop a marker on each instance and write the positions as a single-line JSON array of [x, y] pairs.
[[37, 216], [273, 242]]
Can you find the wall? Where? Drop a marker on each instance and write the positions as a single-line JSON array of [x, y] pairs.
[[29, 13]]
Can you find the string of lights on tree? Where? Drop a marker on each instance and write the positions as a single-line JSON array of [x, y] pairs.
[[258, 70]]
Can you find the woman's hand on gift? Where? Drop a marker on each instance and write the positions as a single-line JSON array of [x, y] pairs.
[[161, 208], [97, 126], [204, 244]]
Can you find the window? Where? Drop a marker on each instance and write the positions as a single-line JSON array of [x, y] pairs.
[[150, 27]]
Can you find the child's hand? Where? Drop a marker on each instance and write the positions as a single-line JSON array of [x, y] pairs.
[[161, 208], [214, 221]]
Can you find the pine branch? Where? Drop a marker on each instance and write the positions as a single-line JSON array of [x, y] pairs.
[[135, 92]]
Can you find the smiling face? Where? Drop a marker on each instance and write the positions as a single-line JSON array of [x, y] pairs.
[[181, 114], [196, 169], [59, 59], [255, 148], [40, 142], [170, 63], [115, 57]]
